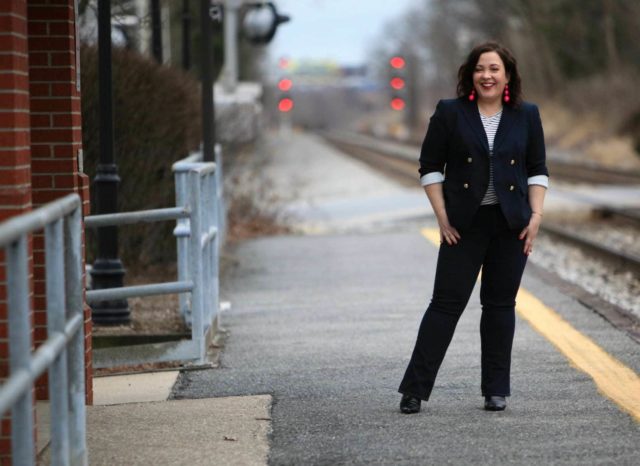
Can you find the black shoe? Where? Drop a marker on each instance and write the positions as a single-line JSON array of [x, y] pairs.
[[495, 403], [409, 404]]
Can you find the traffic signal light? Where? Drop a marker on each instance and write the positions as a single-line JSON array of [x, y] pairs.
[[397, 82]]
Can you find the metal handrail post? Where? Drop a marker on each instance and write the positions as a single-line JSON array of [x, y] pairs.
[[182, 232], [195, 266], [221, 209], [206, 246], [56, 320], [22, 444], [212, 244], [215, 247], [74, 301]]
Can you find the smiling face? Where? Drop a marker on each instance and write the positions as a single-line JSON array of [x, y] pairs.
[[489, 77]]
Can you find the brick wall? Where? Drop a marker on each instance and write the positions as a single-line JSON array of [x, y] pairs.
[[56, 134], [40, 140], [15, 171]]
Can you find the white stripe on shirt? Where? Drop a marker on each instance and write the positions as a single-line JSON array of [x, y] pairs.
[[490, 124]]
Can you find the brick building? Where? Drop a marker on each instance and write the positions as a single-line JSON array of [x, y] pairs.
[[40, 145]]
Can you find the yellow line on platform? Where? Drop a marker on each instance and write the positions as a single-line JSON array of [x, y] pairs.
[[614, 380], [432, 234]]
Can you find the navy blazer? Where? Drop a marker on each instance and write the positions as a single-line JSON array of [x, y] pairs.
[[456, 145]]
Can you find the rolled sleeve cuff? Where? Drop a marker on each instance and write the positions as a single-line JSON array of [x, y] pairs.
[[431, 178], [540, 180]]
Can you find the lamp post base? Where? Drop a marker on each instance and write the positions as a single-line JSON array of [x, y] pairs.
[[109, 273]]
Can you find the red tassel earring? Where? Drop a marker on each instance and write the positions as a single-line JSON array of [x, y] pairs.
[[472, 96], [506, 93]]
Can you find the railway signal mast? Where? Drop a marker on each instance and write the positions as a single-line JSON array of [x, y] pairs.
[[398, 83], [285, 103], [285, 99], [403, 86]]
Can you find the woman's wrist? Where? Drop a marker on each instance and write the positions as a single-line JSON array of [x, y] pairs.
[[442, 219], [536, 213], [440, 213]]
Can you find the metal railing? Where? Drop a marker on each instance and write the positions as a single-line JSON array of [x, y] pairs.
[[62, 354], [182, 230], [198, 214]]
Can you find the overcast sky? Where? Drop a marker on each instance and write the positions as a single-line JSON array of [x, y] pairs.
[[342, 30]]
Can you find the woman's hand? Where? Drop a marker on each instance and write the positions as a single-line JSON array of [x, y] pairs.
[[530, 232], [447, 232], [436, 197]]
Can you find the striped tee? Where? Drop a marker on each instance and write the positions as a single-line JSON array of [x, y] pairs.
[[490, 124]]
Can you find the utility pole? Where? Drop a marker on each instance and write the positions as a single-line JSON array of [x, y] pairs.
[[107, 270]]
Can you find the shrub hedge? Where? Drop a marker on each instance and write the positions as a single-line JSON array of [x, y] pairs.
[[156, 122]]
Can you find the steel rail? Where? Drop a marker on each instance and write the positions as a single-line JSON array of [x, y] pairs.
[[562, 170], [627, 260], [359, 145]]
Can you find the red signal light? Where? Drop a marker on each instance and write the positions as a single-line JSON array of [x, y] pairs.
[[397, 83], [397, 62], [397, 104], [283, 63], [285, 105], [285, 84]]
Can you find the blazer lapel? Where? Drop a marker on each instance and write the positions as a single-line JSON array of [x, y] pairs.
[[472, 115], [506, 121]]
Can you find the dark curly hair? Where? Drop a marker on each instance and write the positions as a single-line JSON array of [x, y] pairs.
[[465, 73]]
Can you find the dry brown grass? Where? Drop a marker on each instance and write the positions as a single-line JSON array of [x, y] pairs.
[[588, 136], [151, 315], [593, 119], [253, 207]]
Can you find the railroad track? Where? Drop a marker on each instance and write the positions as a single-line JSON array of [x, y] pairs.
[[593, 175], [400, 162]]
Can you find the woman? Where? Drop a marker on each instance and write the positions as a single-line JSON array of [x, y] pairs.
[[489, 209]]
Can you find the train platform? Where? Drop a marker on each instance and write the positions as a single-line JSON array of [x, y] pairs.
[[322, 325]]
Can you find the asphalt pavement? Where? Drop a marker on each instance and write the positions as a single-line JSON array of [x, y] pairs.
[[325, 325]]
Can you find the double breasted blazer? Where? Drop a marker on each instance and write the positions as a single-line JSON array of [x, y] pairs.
[[456, 145]]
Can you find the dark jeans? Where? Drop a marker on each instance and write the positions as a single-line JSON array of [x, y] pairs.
[[490, 244]]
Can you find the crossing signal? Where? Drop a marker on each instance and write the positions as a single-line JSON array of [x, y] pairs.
[[397, 82]]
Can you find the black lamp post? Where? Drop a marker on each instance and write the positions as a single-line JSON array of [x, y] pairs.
[[186, 35], [208, 109], [107, 271], [156, 30]]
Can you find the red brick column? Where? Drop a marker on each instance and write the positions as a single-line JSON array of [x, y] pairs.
[[40, 143], [15, 171], [56, 135]]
